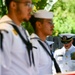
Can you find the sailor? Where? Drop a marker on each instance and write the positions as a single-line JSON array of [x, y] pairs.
[[65, 56], [15, 47], [42, 23]]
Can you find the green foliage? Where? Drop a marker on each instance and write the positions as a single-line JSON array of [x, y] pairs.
[[2, 8], [64, 12], [41, 4], [35, 1], [28, 27], [64, 15]]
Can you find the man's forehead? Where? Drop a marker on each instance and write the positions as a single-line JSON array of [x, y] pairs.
[[48, 20]]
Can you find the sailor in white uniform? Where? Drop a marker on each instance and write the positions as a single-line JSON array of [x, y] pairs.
[[66, 55], [0, 61], [43, 26], [16, 54]]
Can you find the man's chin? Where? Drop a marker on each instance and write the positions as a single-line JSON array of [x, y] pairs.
[[25, 20], [50, 34]]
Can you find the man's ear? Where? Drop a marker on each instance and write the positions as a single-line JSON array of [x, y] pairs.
[[13, 5], [38, 24]]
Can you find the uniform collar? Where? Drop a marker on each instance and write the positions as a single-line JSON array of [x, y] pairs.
[[7, 19], [34, 36], [68, 49]]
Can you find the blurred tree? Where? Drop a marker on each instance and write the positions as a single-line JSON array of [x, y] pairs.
[[64, 12], [2, 8]]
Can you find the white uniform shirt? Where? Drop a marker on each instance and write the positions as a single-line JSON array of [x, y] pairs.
[[64, 60], [15, 60], [0, 61], [43, 61]]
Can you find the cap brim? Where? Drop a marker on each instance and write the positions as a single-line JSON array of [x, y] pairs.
[[66, 42]]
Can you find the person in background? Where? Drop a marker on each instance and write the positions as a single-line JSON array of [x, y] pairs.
[[65, 56], [42, 23], [50, 43], [15, 44]]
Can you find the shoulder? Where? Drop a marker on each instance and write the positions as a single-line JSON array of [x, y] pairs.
[[4, 23], [5, 26], [72, 48], [6, 30], [34, 38]]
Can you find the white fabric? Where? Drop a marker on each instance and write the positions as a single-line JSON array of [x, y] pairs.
[[43, 14], [0, 61], [15, 56], [49, 42], [68, 35], [43, 61], [64, 60]]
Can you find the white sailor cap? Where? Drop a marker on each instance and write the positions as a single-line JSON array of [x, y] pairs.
[[66, 37], [43, 14], [49, 42]]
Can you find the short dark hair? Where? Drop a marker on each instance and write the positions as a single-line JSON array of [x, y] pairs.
[[33, 21], [7, 2]]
